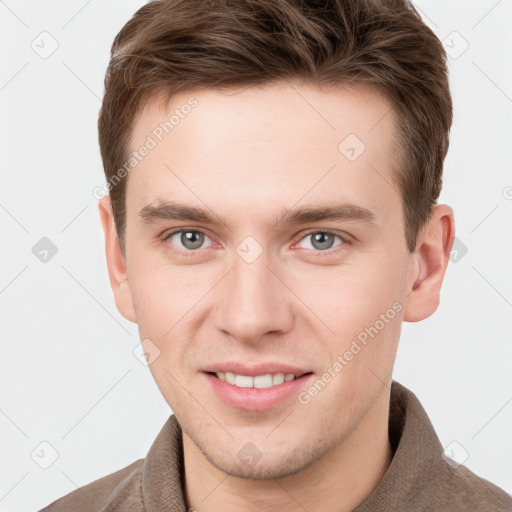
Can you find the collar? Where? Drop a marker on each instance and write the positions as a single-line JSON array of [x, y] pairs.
[[416, 462]]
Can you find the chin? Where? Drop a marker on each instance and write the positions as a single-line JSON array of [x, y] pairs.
[[251, 463], [259, 470]]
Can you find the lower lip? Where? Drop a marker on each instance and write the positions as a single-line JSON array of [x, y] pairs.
[[256, 399]]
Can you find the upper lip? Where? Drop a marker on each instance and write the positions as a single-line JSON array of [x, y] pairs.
[[252, 370]]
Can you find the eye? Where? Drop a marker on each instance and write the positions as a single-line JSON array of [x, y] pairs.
[[187, 240], [192, 240], [323, 240]]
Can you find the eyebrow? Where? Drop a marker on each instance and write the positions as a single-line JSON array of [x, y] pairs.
[[171, 210]]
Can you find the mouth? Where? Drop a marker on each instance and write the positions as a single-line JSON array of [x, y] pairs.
[[257, 392], [264, 381]]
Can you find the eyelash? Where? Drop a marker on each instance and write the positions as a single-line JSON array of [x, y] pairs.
[[345, 241], [328, 252]]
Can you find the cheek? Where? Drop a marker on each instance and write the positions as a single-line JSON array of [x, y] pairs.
[[164, 293], [164, 303], [170, 305], [361, 304], [351, 296]]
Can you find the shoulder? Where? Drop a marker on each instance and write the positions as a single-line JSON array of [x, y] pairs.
[[123, 487], [420, 476], [468, 489]]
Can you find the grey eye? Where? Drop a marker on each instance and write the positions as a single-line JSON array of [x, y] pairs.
[[189, 239], [321, 240]]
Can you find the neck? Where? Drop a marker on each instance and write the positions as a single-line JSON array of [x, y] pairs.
[[340, 480]]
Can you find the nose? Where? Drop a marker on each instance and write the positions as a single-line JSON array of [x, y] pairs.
[[255, 302]]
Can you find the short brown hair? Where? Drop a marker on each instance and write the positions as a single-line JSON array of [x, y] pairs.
[[172, 46]]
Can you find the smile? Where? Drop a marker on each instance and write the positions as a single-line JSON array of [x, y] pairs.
[[257, 392], [258, 381]]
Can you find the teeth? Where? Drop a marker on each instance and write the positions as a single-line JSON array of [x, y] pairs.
[[260, 381], [243, 381], [278, 378]]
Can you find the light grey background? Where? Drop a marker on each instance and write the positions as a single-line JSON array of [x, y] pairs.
[[68, 374]]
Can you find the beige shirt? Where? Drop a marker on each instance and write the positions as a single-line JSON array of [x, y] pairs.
[[418, 478]]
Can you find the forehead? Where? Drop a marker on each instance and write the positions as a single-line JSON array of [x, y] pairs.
[[270, 145]]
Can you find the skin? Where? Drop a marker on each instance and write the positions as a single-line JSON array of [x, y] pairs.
[[248, 155]]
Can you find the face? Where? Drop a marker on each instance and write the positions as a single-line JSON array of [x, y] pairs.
[[293, 261]]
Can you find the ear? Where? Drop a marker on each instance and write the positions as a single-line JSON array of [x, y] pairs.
[[428, 264], [116, 262]]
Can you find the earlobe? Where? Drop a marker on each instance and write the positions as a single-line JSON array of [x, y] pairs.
[[116, 263], [428, 264]]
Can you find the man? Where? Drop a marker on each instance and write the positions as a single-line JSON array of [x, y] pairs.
[[273, 169]]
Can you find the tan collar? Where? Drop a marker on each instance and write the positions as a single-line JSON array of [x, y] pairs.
[[418, 474]]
